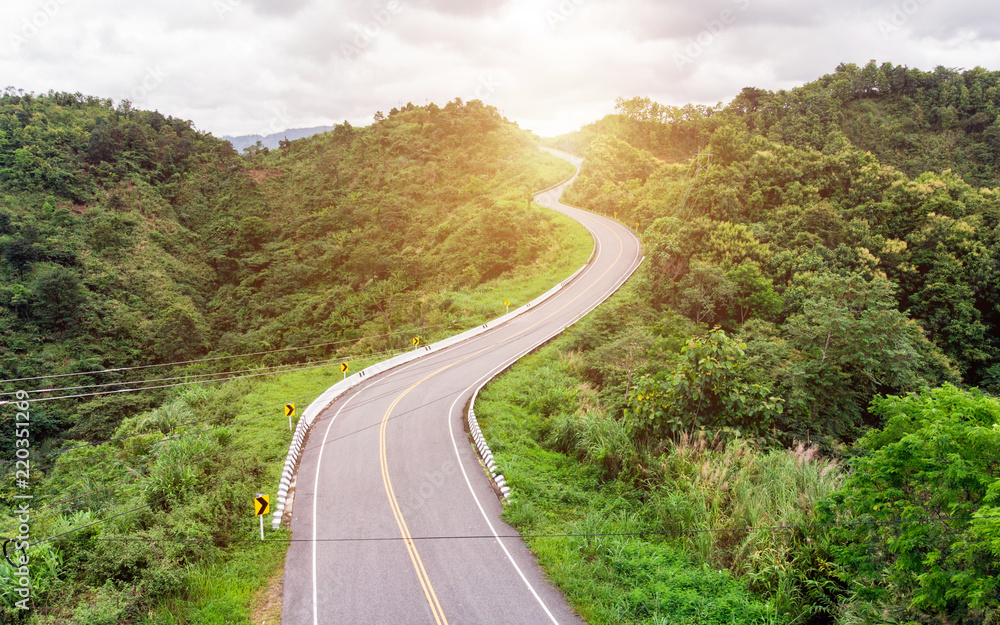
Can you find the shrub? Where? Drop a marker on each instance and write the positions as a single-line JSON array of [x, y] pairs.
[[914, 494]]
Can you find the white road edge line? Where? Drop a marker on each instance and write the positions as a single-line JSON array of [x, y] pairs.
[[486, 517], [358, 390], [480, 383], [325, 400], [315, 506]]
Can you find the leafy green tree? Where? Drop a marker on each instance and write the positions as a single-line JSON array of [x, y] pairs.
[[20, 254], [58, 297], [848, 342], [954, 294], [914, 536], [180, 333], [710, 389], [753, 293], [704, 294], [101, 146]]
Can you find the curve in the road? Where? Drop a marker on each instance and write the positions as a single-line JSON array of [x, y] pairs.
[[395, 465]]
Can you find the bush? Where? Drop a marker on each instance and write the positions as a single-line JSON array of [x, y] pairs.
[[709, 390], [707, 485], [935, 459]]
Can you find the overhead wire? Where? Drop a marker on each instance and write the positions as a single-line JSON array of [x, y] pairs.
[[239, 422], [126, 437], [198, 432], [198, 375], [640, 534], [124, 484], [217, 358], [268, 370], [176, 384], [146, 433]]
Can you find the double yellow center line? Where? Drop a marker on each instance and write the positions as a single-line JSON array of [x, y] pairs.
[[397, 513], [411, 548]]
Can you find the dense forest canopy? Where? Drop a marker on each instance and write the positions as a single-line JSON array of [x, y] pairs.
[[913, 120], [777, 235], [820, 285]]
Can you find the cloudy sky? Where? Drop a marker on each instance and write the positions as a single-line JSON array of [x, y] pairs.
[[261, 66]]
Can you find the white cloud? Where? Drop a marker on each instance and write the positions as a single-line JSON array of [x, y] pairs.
[[243, 66]]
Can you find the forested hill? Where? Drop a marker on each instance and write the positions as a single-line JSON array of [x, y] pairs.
[[812, 343], [795, 230], [914, 120], [129, 238]]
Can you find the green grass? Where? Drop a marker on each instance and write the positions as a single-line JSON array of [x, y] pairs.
[[526, 283], [225, 593], [642, 532], [608, 579], [225, 590]]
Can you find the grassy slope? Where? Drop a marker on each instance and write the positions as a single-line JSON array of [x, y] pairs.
[[608, 579], [229, 591], [226, 580]]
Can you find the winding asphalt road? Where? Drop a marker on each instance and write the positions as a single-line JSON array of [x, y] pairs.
[[400, 521]]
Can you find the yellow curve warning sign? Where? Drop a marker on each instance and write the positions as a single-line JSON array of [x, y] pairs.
[[261, 504]]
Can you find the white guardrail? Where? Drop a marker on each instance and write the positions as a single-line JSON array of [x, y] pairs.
[[470, 412], [333, 393]]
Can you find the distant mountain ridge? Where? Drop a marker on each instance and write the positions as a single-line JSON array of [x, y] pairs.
[[271, 141]]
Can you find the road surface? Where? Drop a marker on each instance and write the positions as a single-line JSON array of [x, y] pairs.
[[399, 519]]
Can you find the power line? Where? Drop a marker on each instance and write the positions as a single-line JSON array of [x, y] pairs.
[[216, 358], [129, 436], [197, 375], [241, 422], [176, 384], [146, 433], [772, 528], [223, 425], [118, 483], [221, 452], [274, 368]]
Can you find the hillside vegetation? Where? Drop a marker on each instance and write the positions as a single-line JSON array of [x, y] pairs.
[[913, 120], [814, 337], [130, 239]]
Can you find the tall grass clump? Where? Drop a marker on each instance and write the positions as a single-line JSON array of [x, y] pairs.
[[703, 528], [753, 504]]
